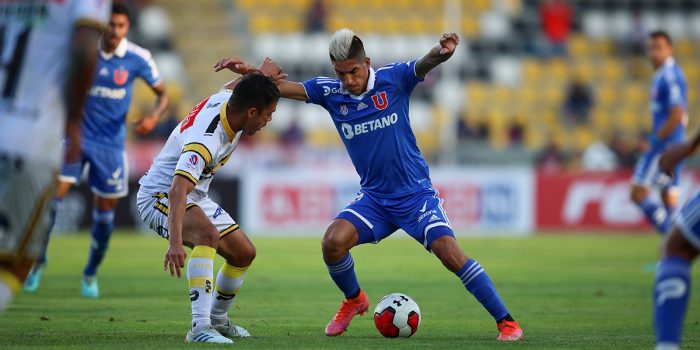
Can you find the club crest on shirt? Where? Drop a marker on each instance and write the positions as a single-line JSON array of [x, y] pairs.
[[380, 100], [344, 110], [120, 76]]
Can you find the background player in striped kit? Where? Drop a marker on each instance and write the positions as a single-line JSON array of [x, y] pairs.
[[51, 53], [104, 133]]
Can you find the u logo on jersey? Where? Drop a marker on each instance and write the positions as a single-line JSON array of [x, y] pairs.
[[120, 76], [380, 100]]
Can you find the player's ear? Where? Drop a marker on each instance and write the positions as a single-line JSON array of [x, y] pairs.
[[367, 61], [252, 112]]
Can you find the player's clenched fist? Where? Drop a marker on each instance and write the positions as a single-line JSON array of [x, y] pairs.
[[448, 43]]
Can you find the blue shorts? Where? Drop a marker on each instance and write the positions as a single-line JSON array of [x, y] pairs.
[[647, 173], [108, 171], [421, 215], [688, 220]]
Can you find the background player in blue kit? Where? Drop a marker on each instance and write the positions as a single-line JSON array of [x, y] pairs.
[[370, 111], [104, 133], [669, 119], [679, 250]]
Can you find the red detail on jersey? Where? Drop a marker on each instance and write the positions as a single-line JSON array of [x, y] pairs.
[[189, 119], [120, 76], [194, 159], [384, 321], [413, 321], [380, 100]]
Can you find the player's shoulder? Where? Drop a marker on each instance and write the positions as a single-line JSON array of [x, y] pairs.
[[136, 51], [394, 66], [326, 81]]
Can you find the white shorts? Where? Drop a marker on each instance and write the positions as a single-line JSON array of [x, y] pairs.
[[26, 190], [153, 211]]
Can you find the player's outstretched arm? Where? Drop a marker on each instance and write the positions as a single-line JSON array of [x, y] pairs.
[[267, 67], [81, 69], [146, 123], [177, 202], [438, 54], [292, 90]]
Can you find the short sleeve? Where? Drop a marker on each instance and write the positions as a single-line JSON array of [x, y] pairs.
[[194, 158], [94, 13], [404, 75], [149, 71], [317, 89]]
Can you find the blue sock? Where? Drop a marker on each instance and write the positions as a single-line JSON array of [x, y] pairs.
[[343, 274], [477, 282], [55, 203], [102, 226], [671, 292], [656, 214]]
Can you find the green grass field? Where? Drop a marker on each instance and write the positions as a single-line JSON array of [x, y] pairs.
[[567, 292]]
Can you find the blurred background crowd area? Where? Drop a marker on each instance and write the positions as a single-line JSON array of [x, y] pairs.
[[560, 84]]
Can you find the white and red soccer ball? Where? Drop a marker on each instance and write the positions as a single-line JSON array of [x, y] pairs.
[[397, 315]]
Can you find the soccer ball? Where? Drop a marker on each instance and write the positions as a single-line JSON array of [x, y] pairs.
[[397, 315]]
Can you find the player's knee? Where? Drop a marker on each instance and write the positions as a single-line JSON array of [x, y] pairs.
[[638, 195], [333, 246], [246, 255]]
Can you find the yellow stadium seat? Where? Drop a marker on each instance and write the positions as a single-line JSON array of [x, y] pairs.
[[247, 5], [600, 119], [261, 23], [684, 48], [470, 27], [580, 46], [532, 70], [583, 136], [634, 94], [611, 70], [606, 96], [692, 73]]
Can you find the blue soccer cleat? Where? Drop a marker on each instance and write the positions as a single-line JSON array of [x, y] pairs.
[[89, 288], [31, 284]]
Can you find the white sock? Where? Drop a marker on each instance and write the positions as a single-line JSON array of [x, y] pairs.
[[228, 282], [200, 274], [9, 285]]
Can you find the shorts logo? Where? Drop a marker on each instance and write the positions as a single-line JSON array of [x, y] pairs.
[[344, 110], [380, 100], [218, 212], [120, 76]]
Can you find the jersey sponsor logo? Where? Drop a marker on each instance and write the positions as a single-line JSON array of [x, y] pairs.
[[350, 131], [327, 90], [380, 100], [105, 92], [120, 76], [189, 119], [344, 110]]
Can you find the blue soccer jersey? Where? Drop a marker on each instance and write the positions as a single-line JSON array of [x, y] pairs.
[[668, 90], [104, 119], [375, 129]]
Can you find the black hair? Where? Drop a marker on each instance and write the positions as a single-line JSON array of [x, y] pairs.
[[254, 90], [661, 34], [120, 8]]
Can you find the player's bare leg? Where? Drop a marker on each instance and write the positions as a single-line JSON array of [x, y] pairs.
[[31, 284], [200, 234], [477, 282], [239, 253], [339, 238], [656, 214], [102, 227]]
